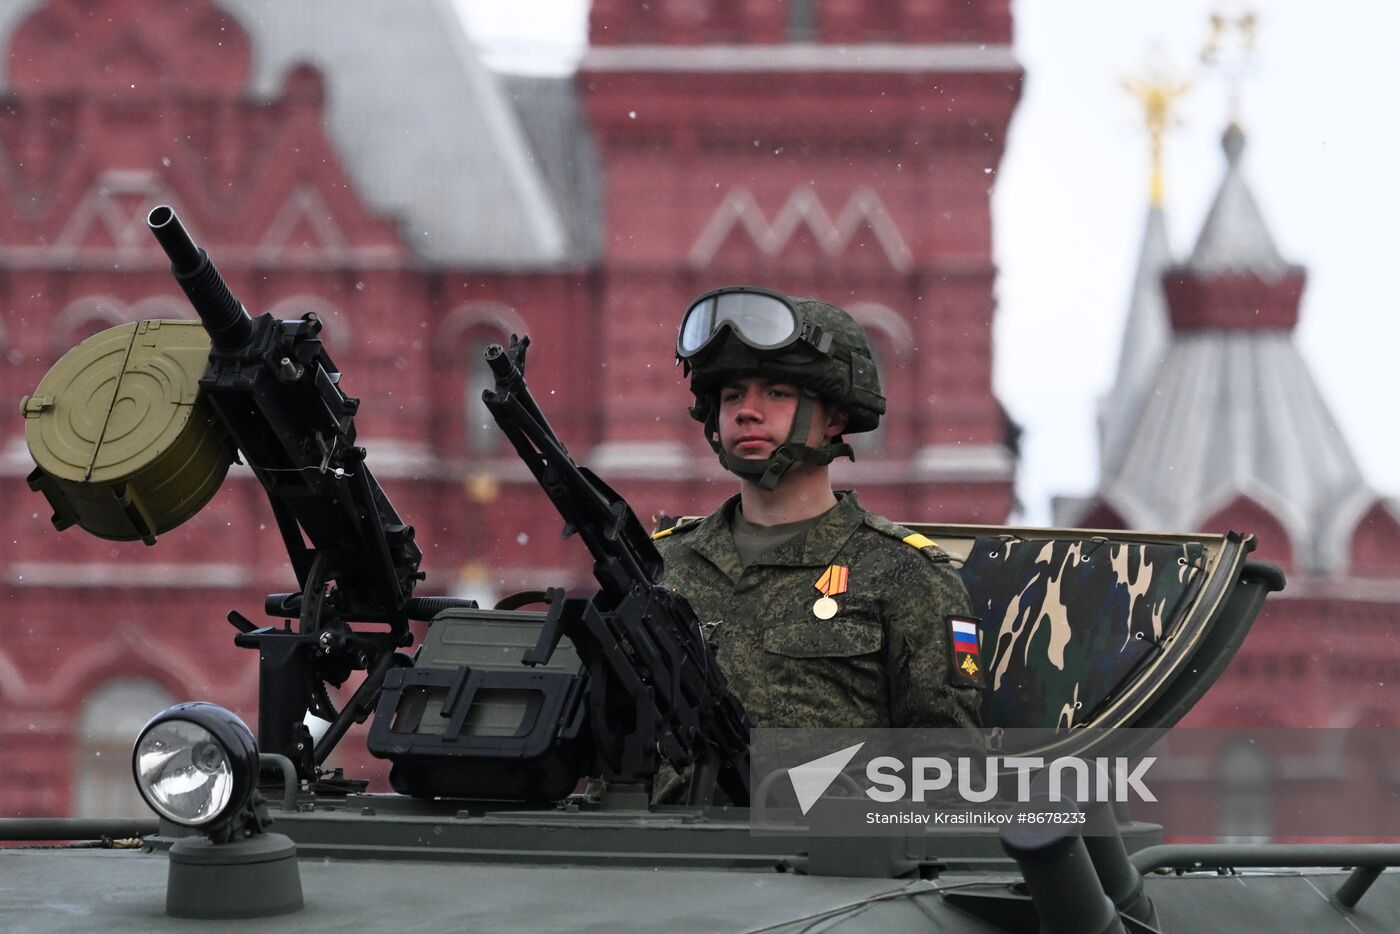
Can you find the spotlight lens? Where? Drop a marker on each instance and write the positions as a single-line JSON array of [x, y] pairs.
[[183, 772]]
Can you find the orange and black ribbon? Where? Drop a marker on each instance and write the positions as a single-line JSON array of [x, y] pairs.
[[834, 580]]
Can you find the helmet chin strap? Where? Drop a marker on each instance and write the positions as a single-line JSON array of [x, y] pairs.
[[771, 469]]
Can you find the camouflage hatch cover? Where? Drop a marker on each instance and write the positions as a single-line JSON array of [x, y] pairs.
[[1067, 623]]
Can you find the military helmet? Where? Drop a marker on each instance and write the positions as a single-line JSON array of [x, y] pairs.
[[740, 331]]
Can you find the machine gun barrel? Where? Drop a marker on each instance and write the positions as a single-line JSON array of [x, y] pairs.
[[656, 688], [609, 528], [278, 394], [278, 397], [224, 316]]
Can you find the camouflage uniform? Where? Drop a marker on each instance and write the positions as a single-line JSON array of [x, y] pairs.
[[881, 661]]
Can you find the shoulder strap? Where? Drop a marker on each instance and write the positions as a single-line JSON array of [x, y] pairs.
[[914, 540]]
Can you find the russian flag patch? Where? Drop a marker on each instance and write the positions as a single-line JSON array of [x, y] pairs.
[[964, 651]]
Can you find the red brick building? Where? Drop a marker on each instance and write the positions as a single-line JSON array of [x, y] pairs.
[[356, 160]]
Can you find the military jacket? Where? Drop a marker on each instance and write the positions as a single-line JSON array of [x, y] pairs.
[[881, 661]]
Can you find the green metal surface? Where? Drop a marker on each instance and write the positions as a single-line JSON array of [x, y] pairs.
[[82, 890]]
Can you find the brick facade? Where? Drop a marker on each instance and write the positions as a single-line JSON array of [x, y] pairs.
[[867, 184]]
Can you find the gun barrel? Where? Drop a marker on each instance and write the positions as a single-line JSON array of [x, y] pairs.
[[174, 239], [224, 317], [498, 361]]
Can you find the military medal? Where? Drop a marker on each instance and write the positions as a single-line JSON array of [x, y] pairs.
[[832, 582]]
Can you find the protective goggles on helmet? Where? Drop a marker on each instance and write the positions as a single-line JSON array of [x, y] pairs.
[[762, 319]]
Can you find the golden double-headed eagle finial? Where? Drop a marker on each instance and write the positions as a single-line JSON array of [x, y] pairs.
[[1158, 93], [1229, 49], [1231, 38]]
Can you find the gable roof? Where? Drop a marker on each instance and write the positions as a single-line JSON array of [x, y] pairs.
[[423, 127], [429, 135]]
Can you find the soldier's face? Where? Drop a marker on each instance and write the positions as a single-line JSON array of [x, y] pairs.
[[755, 416]]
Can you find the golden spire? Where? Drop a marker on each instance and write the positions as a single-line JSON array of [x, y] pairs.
[[1157, 92]]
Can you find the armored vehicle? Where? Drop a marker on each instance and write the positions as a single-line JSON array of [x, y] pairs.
[[523, 737]]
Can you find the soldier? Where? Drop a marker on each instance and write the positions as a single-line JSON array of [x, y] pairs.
[[825, 615]]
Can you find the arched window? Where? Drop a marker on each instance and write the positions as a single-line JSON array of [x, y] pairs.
[[84, 317], [483, 435], [91, 314], [111, 717], [891, 341], [1246, 804], [465, 334]]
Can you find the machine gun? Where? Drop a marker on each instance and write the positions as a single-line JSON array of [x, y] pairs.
[[276, 392], [637, 684], [654, 686]]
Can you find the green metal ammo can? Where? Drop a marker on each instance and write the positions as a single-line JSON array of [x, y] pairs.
[[125, 445]]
